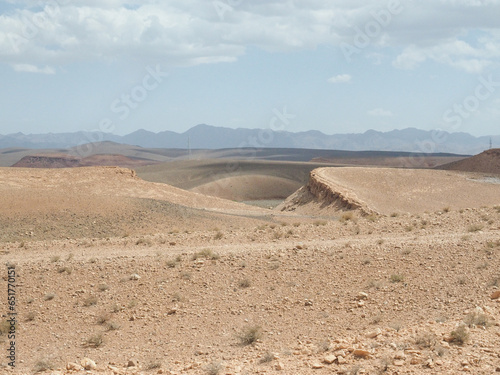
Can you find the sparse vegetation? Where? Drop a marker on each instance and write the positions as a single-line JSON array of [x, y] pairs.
[[55, 258], [250, 335], [425, 340], [49, 297], [90, 301], [320, 223], [4, 327], [475, 228], [103, 287], [43, 365], [207, 254], [395, 278], [30, 316], [94, 341], [103, 318], [112, 326], [460, 335], [153, 365], [214, 368], [66, 269], [219, 235], [244, 283], [144, 242], [267, 357], [477, 319]]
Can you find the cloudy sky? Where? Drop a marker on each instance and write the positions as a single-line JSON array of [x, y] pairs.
[[339, 66]]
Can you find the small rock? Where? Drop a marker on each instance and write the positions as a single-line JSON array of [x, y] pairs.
[[372, 335], [88, 364], [429, 363], [279, 366], [400, 355], [71, 366], [172, 311], [496, 294], [361, 353], [362, 295], [308, 302], [132, 363], [317, 366], [415, 361], [329, 359], [134, 276], [399, 362], [341, 360]]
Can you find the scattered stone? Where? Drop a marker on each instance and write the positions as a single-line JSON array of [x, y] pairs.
[[134, 276], [399, 362], [496, 294], [308, 302], [172, 311], [71, 366], [279, 366], [132, 363], [317, 366], [329, 359], [88, 364], [362, 295], [361, 353], [373, 334], [341, 360], [399, 355]]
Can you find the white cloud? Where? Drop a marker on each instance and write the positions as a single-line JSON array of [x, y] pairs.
[[341, 78], [33, 69], [379, 112], [187, 32]]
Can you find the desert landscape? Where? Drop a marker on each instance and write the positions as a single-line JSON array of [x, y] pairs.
[[176, 268]]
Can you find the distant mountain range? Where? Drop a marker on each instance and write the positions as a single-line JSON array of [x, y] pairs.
[[212, 137]]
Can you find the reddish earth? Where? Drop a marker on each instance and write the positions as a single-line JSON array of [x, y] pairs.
[[68, 161]]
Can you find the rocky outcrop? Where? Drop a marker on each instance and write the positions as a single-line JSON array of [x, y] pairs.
[[323, 194]]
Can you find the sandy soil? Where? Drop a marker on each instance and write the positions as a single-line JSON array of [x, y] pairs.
[[210, 286], [388, 191], [486, 162]]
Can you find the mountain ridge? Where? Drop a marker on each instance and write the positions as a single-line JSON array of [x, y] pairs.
[[203, 136]]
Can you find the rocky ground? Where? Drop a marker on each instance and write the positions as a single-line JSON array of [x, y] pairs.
[[269, 293], [357, 295]]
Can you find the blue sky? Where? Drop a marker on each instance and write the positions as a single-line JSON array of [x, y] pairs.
[[336, 66]]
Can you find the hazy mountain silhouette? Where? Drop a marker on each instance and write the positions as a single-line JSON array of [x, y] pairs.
[[213, 137]]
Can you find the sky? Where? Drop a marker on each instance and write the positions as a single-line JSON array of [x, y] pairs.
[[337, 66]]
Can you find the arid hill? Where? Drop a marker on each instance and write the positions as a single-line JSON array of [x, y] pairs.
[[100, 202], [68, 161], [387, 191], [486, 162], [120, 276]]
